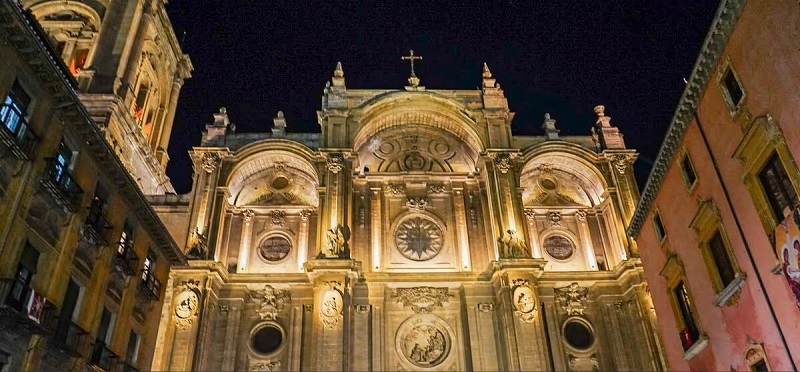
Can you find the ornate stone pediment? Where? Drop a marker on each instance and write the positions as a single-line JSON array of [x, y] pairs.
[[271, 301], [572, 298], [422, 299]]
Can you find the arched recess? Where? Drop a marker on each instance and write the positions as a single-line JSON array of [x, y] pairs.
[[561, 175], [404, 109], [417, 148], [273, 172], [72, 27]]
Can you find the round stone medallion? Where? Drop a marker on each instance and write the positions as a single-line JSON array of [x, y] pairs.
[[578, 335], [559, 247], [186, 304], [424, 342], [414, 161], [274, 248], [267, 339], [418, 239]]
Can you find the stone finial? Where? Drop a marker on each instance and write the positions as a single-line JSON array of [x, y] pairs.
[[489, 83], [549, 126], [338, 72], [338, 76], [486, 73], [221, 118], [610, 137], [216, 131], [279, 129]]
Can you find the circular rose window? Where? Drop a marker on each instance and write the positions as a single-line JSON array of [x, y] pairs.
[[274, 248], [267, 339], [418, 239], [559, 247]]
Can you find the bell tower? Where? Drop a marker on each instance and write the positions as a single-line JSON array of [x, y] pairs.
[[130, 70]]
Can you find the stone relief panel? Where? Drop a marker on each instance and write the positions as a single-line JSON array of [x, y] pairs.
[[186, 303], [572, 298], [270, 301], [524, 301], [332, 304], [424, 341], [422, 300], [420, 149]]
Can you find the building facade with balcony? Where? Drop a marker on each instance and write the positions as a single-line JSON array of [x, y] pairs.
[[714, 226], [130, 70], [83, 256]]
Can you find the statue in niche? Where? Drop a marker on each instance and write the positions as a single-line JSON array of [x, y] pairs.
[[512, 246], [337, 243]]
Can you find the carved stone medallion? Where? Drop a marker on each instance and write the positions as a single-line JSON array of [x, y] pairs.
[[424, 341], [274, 248], [186, 304], [419, 239], [524, 300], [331, 304], [559, 247]]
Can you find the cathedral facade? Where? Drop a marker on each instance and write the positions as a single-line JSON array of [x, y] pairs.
[[413, 233]]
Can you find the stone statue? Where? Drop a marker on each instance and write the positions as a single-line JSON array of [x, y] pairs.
[[512, 246], [337, 243]]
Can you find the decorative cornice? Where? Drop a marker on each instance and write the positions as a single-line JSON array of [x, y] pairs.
[[710, 54]]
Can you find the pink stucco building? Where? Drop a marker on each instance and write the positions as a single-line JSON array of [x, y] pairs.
[[725, 178]]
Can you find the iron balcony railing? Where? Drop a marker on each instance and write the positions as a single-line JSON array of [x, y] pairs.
[[103, 357], [62, 186], [69, 337], [125, 259], [150, 286], [22, 305], [96, 222], [15, 132]]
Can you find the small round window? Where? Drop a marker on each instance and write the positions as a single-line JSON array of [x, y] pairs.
[[578, 335], [267, 340], [274, 248]]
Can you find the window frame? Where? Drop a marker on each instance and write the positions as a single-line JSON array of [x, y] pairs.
[[762, 139], [774, 162], [674, 273], [754, 355], [706, 223], [734, 108], [684, 157], [658, 227]]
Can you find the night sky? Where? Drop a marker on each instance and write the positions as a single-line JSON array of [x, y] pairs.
[[258, 57]]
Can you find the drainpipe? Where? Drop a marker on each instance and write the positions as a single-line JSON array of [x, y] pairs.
[[741, 235]]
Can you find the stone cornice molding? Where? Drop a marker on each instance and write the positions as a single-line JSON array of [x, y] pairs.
[[27, 37], [710, 54]]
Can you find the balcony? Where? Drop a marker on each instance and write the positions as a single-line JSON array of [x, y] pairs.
[[150, 287], [15, 133], [57, 180], [24, 307], [69, 337], [96, 224], [125, 259], [103, 357]]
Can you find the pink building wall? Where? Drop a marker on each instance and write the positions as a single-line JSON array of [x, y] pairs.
[[764, 50]]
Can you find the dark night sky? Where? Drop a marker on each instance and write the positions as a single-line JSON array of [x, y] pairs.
[[258, 57]]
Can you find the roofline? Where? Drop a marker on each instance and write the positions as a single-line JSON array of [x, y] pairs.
[[713, 46], [67, 100]]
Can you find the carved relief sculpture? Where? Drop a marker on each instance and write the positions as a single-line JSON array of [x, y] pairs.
[[424, 342], [512, 246], [524, 300], [210, 161], [266, 367], [422, 300], [417, 204], [271, 301], [554, 218], [572, 298], [332, 304], [187, 300], [335, 163], [337, 243], [277, 217]]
